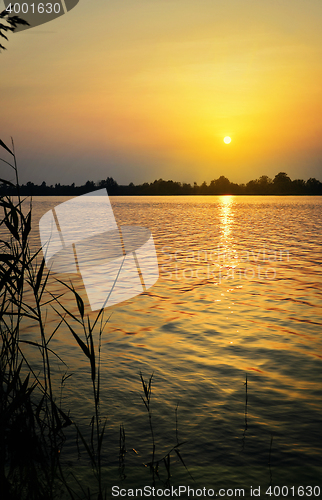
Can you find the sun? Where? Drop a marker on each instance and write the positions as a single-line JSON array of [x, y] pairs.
[[227, 140]]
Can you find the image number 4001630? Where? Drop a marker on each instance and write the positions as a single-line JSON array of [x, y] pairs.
[[38, 12]]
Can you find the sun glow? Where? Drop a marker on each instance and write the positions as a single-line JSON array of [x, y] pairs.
[[227, 140]]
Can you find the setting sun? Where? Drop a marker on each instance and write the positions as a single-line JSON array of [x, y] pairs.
[[227, 140]]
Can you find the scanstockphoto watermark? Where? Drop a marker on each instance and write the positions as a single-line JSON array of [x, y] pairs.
[[177, 491], [223, 273], [223, 254], [222, 263]]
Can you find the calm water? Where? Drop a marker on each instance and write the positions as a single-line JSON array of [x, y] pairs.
[[239, 293]]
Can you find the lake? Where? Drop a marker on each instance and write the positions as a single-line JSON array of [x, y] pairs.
[[239, 294]]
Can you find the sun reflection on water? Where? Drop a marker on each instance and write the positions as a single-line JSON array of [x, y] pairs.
[[226, 215]]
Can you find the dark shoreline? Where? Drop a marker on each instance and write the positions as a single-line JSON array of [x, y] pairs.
[[281, 185]]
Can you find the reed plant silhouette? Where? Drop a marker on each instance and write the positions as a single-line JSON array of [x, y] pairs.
[[122, 453], [246, 411], [155, 463], [87, 345], [32, 420], [11, 24], [269, 460]]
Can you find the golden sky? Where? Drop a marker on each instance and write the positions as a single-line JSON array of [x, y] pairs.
[[143, 89]]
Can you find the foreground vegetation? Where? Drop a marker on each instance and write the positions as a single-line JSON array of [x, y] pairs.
[[32, 419]]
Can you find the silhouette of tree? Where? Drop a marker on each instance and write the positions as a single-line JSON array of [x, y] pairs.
[[314, 186], [262, 185], [313, 182], [220, 186], [265, 184], [298, 186], [282, 179], [90, 185], [203, 188], [282, 183], [186, 188], [107, 183]]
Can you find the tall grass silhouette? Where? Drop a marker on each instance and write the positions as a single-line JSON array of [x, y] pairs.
[[165, 459], [11, 24], [32, 420]]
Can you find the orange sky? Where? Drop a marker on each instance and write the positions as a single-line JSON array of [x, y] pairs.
[[141, 89]]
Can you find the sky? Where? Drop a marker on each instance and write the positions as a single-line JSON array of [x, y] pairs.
[[140, 90]]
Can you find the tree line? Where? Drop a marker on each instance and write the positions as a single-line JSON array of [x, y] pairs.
[[280, 185]]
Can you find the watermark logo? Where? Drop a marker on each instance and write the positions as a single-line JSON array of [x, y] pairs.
[[38, 12], [223, 263], [81, 236]]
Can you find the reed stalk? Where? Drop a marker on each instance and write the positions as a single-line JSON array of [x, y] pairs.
[[32, 420], [29, 465]]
